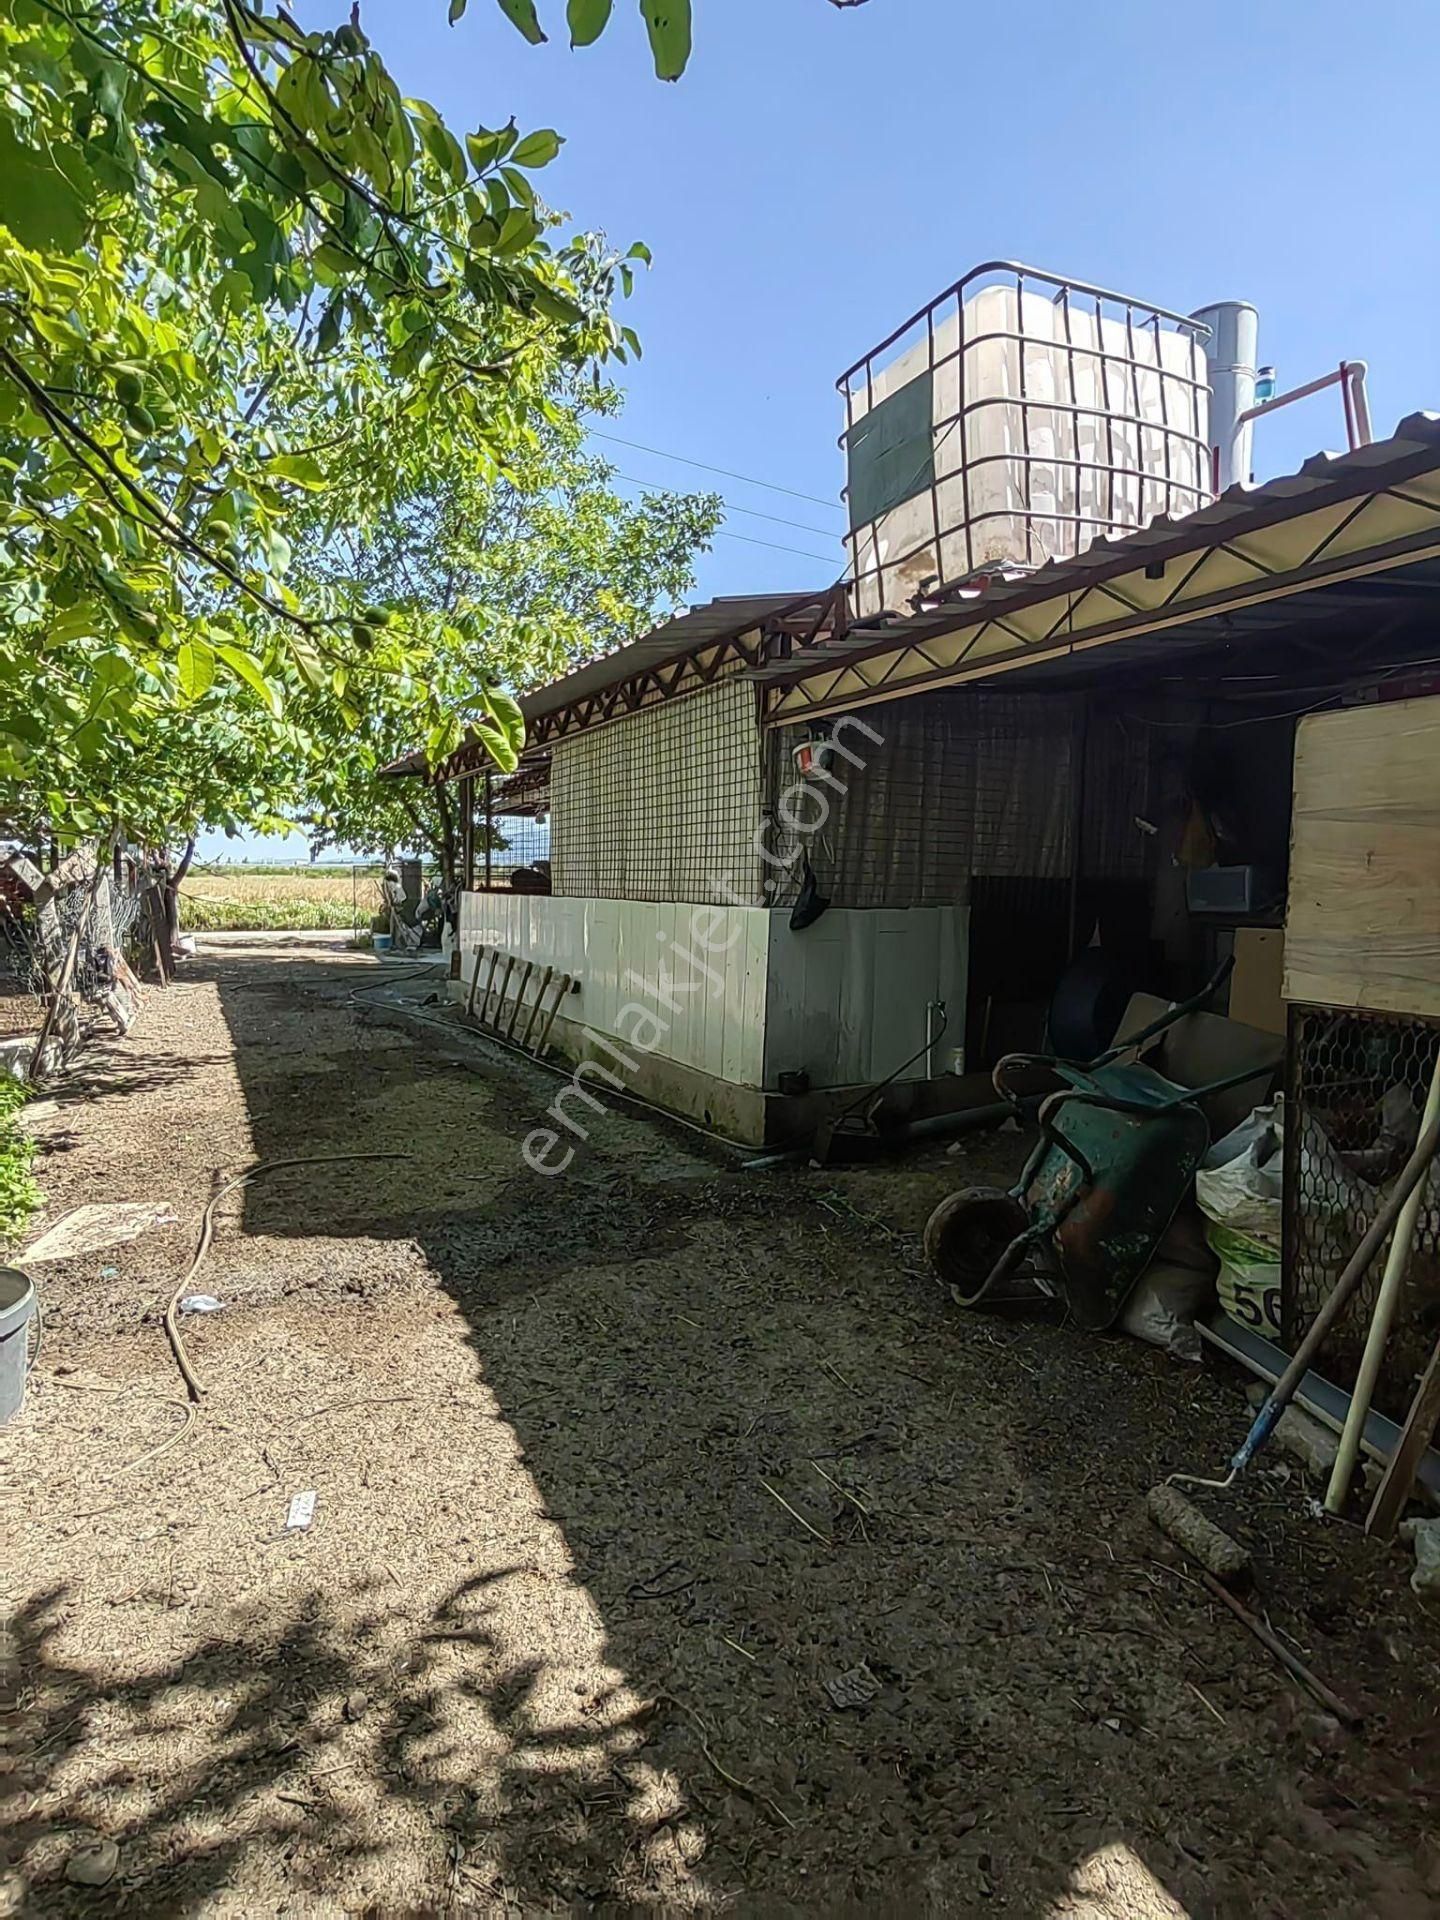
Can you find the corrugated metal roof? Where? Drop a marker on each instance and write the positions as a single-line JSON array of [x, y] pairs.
[[1239, 510], [714, 620], [720, 619]]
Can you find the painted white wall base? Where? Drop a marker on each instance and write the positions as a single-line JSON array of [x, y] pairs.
[[732, 992]]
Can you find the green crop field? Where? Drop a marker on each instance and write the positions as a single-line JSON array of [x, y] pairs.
[[288, 899]]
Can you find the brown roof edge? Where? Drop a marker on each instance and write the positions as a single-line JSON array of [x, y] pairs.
[[1239, 510]]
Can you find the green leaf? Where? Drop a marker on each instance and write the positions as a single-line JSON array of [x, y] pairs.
[[327, 334], [303, 469], [521, 13], [197, 668], [444, 150], [278, 552], [551, 305], [311, 666], [668, 24], [457, 10], [587, 20], [43, 206], [504, 710], [247, 669], [499, 746], [485, 147], [519, 230], [442, 740], [537, 149]]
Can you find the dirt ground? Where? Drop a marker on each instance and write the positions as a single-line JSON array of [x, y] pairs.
[[614, 1472]]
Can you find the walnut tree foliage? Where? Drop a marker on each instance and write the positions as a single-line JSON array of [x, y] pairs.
[[246, 290], [533, 572], [667, 22]]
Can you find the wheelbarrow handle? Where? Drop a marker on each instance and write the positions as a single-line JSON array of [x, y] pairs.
[[1041, 1062], [1171, 1014]]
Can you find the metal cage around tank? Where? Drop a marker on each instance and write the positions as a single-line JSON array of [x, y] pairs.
[[1127, 430]]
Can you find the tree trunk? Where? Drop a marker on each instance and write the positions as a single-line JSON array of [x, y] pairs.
[[172, 893], [448, 849]]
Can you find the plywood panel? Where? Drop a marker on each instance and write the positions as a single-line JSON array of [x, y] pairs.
[[1363, 922], [1255, 985]]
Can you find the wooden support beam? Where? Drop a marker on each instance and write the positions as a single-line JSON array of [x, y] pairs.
[[540, 993], [562, 988], [489, 982], [504, 989], [474, 981], [520, 986]]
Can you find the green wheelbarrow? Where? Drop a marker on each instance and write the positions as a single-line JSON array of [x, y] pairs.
[[1118, 1149]]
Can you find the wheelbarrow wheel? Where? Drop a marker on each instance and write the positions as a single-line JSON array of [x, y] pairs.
[[967, 1234]]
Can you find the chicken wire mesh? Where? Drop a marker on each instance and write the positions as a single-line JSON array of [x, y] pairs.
[[662, 805], [1356, 1086], [79, 935], [519, 840], [933, 793]]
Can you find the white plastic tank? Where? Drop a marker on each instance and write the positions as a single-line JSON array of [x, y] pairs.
[[1054, 423]]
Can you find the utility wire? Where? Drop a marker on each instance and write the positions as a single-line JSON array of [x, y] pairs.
[[705, 467], [825, 559], [801, 526]]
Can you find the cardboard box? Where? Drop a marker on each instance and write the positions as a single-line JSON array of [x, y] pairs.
[[1255, 985]]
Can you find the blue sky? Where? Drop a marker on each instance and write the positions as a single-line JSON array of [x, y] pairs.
[[818, 174]]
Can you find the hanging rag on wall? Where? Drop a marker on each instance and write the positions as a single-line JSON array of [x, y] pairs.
[[810, 903]]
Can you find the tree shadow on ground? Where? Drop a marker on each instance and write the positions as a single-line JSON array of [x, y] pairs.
[[873, 1637], [780, 1458], [313, 1759]]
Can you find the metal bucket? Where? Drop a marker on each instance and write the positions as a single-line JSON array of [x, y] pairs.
[[17, 1304]]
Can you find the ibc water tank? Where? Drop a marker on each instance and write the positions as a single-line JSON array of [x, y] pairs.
[[1013, 421]]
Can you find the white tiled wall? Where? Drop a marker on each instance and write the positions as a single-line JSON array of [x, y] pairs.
[[606, 942], [845, 1001]]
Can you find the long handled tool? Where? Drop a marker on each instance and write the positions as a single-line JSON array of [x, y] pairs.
[[1283, 1392], [1381, 1321], [1399, 1477]]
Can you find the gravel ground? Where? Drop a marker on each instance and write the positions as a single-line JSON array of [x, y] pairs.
[[614, 1473]]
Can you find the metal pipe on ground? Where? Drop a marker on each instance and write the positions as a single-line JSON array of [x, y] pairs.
[[932, 1126]]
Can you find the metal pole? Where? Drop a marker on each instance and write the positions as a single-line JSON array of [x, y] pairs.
[[467, 833], [1386, 1302], [1079, 746], [489, 827]]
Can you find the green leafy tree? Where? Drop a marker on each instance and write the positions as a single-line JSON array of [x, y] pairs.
[[668, 23], [235, 266], [529, 573]]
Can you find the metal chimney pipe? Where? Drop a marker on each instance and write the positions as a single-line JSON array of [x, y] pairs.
[[1230, 353]]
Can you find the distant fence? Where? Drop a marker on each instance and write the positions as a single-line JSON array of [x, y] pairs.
[[70, 944]]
